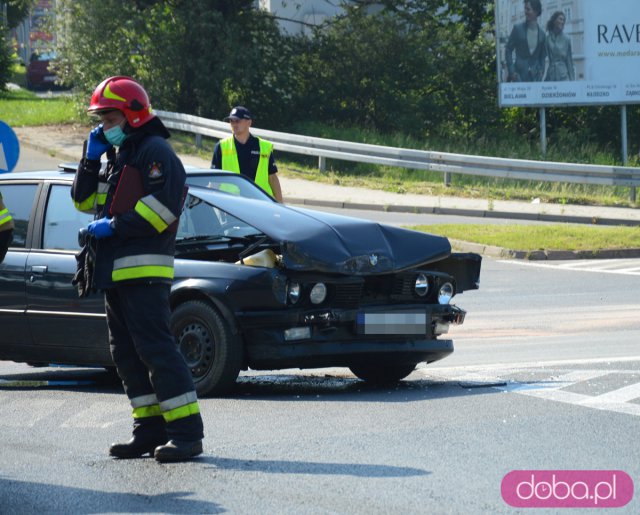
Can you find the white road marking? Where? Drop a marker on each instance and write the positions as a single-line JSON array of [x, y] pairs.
[[499, 376], [604, 266], [99, 414], [27, 413]]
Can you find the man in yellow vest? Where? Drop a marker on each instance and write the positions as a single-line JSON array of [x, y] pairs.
[[6, 229], [244, 153]]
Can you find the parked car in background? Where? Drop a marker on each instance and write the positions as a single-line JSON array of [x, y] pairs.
[[257, 285], [39, 76]]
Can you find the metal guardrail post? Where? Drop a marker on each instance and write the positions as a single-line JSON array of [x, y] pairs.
[[322, 164], [543, 132], [198, 140], [625, 149]]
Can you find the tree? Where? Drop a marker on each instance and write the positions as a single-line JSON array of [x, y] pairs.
[[408, 68], [197, 57], [5, 60], [16, 11]]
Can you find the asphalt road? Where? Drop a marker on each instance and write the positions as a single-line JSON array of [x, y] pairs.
[[545, 376], [30, 160]]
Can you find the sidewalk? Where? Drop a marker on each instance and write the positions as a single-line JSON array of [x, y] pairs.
[[66, 143]]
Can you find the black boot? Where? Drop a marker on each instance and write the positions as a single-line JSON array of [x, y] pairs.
[[148, 433], [177, 450], [136, 447]]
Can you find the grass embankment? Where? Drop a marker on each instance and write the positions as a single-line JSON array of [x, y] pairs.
[[541, 237], [22, 108]]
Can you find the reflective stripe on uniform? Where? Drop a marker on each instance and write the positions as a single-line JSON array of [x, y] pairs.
[[155, 212], [142, 265], [144, 400], [145, 406], [180, 407], [181, 412], [103, 189], [178, 401], [87, 205], [147, 411], [5, 217]]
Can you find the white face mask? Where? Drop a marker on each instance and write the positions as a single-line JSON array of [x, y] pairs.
[[115, 136]]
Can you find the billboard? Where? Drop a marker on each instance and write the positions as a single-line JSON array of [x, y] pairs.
[[567, 52]]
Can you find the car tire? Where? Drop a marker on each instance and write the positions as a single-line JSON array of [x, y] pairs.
[[382, 370], [212, 352]]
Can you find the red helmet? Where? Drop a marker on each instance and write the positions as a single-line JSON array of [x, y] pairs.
[[124, 94]]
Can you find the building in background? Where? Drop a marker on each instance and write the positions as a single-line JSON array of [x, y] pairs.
[[34, 34], [300, 16]]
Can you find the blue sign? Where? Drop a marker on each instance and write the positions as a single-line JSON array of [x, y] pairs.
[[9, 148]]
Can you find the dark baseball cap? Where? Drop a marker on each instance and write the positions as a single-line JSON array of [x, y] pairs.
[[239, 113]]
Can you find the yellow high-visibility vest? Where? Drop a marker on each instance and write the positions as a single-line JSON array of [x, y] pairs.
[[230, 161]]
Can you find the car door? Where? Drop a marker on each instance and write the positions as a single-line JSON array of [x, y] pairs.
[[15, 337], [75, 328]]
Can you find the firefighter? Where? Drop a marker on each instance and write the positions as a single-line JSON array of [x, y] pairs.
[[134, 252], [6, 229]]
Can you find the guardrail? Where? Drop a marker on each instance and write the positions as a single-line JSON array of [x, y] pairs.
[[444, 162]]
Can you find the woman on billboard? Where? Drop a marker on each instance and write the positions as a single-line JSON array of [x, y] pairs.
[[527, 40], [558, 50]]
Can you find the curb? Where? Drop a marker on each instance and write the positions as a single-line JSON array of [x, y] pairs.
[[55, 153], [479, 213], [542, 255]]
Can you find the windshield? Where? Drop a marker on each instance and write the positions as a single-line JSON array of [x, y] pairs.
[[234, 184], [200, 219]]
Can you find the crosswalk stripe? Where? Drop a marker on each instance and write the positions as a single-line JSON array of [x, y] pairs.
[[100, 414], [14, 414], [625, 394], [552, 389], [609, 266]]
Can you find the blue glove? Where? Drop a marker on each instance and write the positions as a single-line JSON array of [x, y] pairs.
[[102, 228], [97, 143]]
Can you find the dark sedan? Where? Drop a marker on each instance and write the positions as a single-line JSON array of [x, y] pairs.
[[39, 75], [257, 285]]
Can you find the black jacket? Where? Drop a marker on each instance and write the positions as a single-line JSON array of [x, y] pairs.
[[141, 248]]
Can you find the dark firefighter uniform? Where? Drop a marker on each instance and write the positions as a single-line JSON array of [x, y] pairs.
[[6, 229], [135, 269]]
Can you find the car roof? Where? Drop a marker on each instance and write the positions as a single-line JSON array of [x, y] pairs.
[[66, 172]]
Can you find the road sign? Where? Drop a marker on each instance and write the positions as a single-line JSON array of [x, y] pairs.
[[9, 148]]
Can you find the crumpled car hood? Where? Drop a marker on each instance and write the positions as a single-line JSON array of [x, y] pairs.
[[317, 241]]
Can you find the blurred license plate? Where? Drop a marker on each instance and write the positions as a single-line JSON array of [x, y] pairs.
[[49, 78], [412, 322]]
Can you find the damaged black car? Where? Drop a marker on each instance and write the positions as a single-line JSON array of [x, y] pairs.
[[257, 285]]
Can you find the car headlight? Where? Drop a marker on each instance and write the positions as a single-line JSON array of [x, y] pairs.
[[422, 285], [293, 292], [445, 293], [318, 293]]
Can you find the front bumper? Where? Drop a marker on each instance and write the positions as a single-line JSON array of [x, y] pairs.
[[336, 336]]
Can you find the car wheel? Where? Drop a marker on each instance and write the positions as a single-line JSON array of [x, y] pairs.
[[382, 370], [212, 352]]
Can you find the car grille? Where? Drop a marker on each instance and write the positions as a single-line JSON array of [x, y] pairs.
[[347, 295], [403, 286], [375, 290]]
